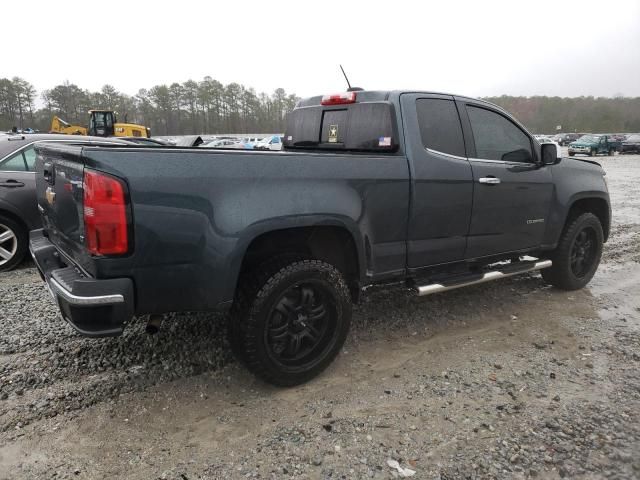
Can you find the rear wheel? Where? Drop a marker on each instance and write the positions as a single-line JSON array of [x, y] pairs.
[[13, 243], [577, 256], [290, 319]]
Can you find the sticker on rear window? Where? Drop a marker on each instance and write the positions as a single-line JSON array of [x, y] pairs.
[[384, 141], [333, 133]]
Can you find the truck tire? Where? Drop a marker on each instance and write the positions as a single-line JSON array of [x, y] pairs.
[[612, 152], [571, 154], [577, 256], [290, 319], [592, 153], [13, 242]]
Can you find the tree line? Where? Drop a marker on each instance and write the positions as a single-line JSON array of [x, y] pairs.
[[204, 107], [209, 107], [579, 114]]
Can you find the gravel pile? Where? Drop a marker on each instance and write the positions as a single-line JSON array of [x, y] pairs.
[[48, 369]]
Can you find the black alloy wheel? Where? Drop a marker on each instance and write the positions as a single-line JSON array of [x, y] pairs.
[[300, 325], [290, 318], [578, 252], [583, 252]]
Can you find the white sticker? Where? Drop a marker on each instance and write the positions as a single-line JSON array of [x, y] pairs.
[[384, 142], [289, 138]]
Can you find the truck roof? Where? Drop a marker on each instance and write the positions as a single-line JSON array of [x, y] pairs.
[[384, 95]]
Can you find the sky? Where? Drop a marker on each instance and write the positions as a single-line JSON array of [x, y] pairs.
[[475, 48]]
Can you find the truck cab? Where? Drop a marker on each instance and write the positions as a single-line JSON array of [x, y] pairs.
[[593, 145], [101, 123]]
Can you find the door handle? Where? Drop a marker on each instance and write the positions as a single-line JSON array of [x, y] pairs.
[[489, 180], [11, 184]]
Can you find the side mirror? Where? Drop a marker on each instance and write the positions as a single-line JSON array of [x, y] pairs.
[[549, 153]]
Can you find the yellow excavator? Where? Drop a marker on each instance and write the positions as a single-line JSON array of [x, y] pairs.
[[102, 123]]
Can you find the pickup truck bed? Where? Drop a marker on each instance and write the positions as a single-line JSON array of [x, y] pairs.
[[373, 187]]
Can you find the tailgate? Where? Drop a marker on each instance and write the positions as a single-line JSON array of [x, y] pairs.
[[60, 196]]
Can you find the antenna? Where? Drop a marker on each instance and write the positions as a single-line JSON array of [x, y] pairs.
[[350, 89], [345, 77]]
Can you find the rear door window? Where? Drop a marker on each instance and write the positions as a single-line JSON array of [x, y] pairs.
[[497, 138], [30, 158], [15, 163], [440, 126]]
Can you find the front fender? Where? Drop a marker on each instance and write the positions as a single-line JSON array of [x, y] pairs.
[[574, 180]]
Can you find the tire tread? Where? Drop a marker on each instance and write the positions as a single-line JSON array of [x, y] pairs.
[[254, 289], [559, 274]]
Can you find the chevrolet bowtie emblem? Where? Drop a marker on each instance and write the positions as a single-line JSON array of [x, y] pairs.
[[51, 195]]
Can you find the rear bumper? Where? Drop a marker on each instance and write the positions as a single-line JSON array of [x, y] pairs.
[[95, 308]]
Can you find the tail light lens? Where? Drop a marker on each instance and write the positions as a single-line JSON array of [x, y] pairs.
[[339, 98], [105, 214]]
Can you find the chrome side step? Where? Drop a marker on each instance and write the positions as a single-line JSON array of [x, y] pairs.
[[487, 277]]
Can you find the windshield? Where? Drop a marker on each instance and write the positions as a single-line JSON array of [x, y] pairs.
[[588, 139]]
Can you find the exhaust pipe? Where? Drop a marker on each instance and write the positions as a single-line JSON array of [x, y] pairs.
[[153, 325]]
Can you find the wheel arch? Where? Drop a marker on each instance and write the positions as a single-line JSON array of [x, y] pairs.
[[10, 213], [329, 239], [597, 205]]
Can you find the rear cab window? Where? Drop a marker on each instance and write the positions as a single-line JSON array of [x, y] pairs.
[[366, 125]]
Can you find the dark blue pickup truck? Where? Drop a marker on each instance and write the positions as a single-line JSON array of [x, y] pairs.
[[439, 191]]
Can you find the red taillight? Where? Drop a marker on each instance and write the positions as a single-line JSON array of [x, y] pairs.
[[339, 98], [105, 214]]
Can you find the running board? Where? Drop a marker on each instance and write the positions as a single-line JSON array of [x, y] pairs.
[[487, 277]]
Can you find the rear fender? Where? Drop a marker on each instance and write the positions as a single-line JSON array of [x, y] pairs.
[[290, 222], [10, 210]]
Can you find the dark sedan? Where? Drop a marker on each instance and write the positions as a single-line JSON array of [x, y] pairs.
[[566, 138], [18, 208], [631, 144]]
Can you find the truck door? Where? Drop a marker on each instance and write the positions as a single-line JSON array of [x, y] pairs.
[[441, 180], [603, 145], [512, 193]]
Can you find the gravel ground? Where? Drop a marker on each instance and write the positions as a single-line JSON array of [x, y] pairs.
[[510, 379]]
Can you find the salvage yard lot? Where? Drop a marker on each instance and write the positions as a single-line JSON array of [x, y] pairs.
[[510, 379]]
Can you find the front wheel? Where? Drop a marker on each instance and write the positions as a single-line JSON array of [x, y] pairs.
[[611, 152], [571, 154], [290, 319], [577, 256], [592, 153]]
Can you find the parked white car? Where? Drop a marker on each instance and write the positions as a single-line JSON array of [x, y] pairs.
[[222, 143], [273, 142]]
